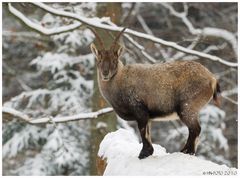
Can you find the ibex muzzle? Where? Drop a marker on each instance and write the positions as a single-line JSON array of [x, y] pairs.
[[144, 92]]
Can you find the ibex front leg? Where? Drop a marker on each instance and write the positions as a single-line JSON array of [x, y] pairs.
[[147, 149]]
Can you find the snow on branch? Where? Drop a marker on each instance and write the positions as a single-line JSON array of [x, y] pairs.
[[101, 23], [119, 154], [206, 31], [230, 92], [40, 28], [58, 30], [16, 113], [82, 116]]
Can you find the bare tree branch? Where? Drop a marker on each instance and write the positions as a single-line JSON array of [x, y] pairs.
[[141, 48], [99, 23], [127, 17], [206, 31], [221, 74], [180, 54], [149, 31], [207, 50], [230, 100], [82, 116]]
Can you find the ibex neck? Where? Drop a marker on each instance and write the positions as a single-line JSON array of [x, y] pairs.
[[119, 71], [107, 88], [120, 66]]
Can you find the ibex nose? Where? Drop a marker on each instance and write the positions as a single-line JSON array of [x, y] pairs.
[[105, 73]]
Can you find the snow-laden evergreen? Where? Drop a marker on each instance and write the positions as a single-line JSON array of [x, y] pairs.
[[62, 149], [66, 89]]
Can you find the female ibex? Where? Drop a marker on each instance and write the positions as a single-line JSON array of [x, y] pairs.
[[142, 92]]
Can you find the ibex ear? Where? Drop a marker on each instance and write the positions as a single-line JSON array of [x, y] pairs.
[[94, 49], [120, 51]]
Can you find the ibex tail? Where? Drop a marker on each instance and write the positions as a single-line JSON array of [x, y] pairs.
[[217, 96]]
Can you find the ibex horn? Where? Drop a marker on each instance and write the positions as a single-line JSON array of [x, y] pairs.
[[98, 38], [117, 38]]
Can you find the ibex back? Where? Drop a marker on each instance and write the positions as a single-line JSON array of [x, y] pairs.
[[144, 92]]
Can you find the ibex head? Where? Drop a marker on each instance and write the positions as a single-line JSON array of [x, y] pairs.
[[107, 59]]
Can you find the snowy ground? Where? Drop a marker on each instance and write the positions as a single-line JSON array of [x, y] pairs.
[[121, 149]]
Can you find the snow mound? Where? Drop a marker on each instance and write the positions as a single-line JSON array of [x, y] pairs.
[[121, 149]]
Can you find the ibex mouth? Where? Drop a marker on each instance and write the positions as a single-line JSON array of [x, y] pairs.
[[105, 79]]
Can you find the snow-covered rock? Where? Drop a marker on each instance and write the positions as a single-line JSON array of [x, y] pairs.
[[120, 150]]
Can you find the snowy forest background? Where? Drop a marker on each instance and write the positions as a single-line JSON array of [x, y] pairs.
[[51, 73]]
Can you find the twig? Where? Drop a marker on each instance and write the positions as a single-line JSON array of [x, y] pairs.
[[23, 84], [225, 94], [220, 74], [149, 31], [125, 20], [207, 50], [179, 55], [231, 100]]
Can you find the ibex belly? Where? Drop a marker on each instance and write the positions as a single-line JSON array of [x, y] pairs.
[[169, 117]]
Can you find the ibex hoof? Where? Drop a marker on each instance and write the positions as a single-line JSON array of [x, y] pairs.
[[145, 153], [188, 151]]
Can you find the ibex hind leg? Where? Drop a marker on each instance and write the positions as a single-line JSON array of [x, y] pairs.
[[190, 119], [188, 113]]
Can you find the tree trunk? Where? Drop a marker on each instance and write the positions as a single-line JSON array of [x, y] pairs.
[[106, 123]]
